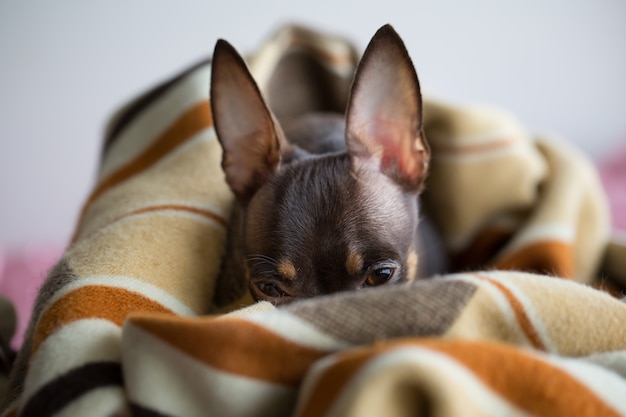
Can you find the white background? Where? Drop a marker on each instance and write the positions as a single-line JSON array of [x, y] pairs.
[[559, 65]]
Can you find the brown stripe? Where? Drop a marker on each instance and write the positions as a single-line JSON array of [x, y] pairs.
[[322, 55], [550, 257], [234, 345], [477, 254], [138, 105], [190, 123], [70, 386], [528, 383], [520, 313], [439, 149], [91, 302]]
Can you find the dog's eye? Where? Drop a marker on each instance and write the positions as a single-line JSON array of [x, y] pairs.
[[379, 276], [270, 289]]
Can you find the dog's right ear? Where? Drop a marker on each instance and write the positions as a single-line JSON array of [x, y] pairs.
[[245, 127]]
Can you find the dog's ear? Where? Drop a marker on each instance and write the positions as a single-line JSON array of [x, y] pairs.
[[245, 127], [384, 114]]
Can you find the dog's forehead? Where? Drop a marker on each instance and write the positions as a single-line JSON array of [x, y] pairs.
[[322, 198]]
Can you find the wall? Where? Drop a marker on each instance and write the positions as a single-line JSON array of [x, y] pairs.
[[65, 65]]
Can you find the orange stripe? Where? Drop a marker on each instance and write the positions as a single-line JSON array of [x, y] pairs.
[[520, 313], [551, 257], [93, 302], [527, 382], [234, 345], [478, 147], [190, 123]]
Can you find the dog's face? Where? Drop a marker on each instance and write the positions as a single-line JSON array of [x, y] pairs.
[[319, 224]]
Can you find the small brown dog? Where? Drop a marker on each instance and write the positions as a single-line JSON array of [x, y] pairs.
[[309, 221]]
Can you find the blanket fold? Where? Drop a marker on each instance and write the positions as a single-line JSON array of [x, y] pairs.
[[127, 323]]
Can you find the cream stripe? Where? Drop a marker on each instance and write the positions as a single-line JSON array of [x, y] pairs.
[[207, 221], [606, 385], [507, 312], [511, 150], [105, 217], [156, 118], [193, 205], [459, 391], [128, 283], [295, 330], [197, 217], [104, 401], [71, 346], [166, 380], [492, 136]]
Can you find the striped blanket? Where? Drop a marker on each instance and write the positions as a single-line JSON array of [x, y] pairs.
[[136, 318]]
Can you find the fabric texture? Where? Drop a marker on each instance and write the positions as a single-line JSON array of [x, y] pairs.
[[127, 323]]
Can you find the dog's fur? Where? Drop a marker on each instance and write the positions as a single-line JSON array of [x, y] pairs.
[[324, 204]]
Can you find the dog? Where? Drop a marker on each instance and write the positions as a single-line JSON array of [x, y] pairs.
[[326, 203]]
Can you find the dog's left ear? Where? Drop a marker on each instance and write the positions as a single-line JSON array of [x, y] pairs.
[[384, 114], [246, 128]]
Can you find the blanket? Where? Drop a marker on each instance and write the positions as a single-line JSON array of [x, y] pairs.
[[136, 319]]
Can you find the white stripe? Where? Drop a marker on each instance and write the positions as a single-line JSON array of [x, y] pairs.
[[73, 345], [145, 289], [101, 402], [295, 330], [156, 118], [614, 361], [165, 379], [456, 387]]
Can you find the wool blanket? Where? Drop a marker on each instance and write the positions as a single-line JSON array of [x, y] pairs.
[[136, 318]]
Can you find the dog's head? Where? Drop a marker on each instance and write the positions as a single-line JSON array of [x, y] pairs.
[[319, 224]]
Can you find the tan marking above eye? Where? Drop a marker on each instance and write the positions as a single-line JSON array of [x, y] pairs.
[[286, 269], [354, 262], [411, 262]]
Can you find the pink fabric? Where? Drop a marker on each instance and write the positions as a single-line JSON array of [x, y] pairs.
[[21, 274], [613, 174]]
